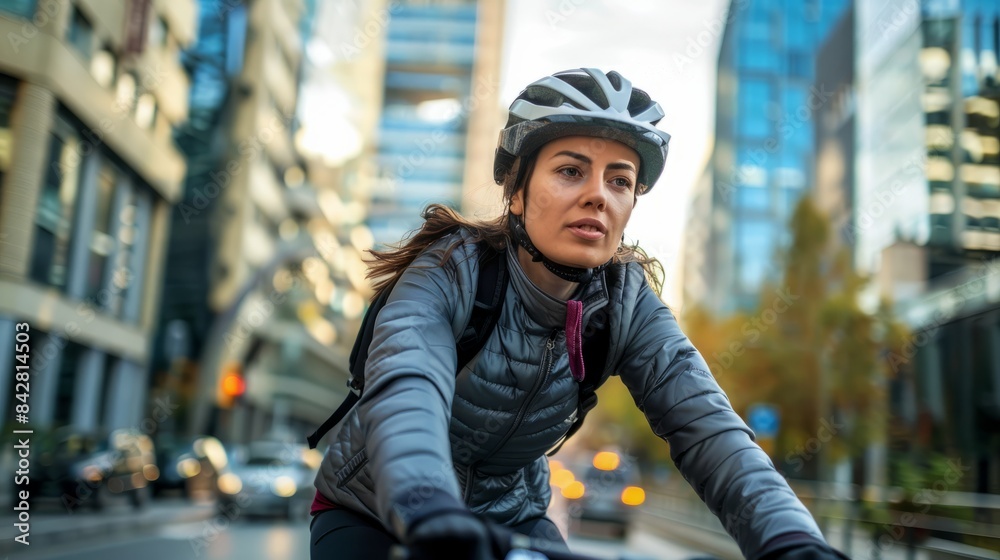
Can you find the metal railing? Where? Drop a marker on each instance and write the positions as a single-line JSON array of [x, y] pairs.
[[931, 525]]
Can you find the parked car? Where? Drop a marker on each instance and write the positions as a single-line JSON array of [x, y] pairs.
[[190, 466], [88, 470], [607, 492], [274, 479]]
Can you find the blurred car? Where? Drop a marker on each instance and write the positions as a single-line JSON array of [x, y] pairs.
[[273, 479], [88, 470], [607, 492], [191, 466]]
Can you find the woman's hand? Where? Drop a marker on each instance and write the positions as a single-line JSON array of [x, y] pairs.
[[451, 534]]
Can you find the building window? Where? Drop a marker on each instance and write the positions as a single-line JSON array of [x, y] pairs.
[[22, 8], [81, 33], [125, 94], [66, 380], [104, 396], [145, 110], [753, 199], [757, 56], [157, 31], [56, 204], [755, 245], [754, 101], [103, 66], [123, 276], [102, 244]]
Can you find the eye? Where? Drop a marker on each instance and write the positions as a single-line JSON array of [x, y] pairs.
[[570, 172], [622, 182]]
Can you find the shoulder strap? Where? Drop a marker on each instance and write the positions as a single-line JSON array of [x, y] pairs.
[[490, 289]]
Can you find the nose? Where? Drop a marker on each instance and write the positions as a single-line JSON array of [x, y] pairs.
[[594, 192]]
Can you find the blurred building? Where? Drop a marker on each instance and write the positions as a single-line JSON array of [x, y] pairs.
[[89, 171], [442, 69], [765, 127], [927, 220], [833, 172], [247, 337]]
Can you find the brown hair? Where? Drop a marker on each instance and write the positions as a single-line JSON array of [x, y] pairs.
[[439, 220]]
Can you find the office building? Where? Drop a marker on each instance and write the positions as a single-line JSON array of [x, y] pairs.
[[931, 78], [835, 133], [763, 159], [442, 69], [91, 92]]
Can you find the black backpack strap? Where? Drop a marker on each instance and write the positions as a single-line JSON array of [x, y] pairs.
[[351, 400], [356, 367], [490, 290]]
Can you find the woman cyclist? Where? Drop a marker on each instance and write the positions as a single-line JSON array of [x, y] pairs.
[[431, 459]]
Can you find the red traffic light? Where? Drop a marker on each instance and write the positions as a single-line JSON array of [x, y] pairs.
[[233, 385]]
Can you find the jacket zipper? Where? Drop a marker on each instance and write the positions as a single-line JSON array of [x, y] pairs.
[[469, 472], [544, 371]]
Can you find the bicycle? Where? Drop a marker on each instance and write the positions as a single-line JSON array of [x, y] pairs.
[[519, 547]]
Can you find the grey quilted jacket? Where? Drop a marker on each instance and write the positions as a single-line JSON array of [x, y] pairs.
[[421, 437]]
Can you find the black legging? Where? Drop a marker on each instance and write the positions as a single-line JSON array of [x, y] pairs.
[[341, 534]]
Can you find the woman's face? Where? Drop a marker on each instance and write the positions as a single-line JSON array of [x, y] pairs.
[[580, 196]]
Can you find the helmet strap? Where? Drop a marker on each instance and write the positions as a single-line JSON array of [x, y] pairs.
[[569, 273]]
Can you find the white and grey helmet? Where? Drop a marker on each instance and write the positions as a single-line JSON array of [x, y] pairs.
[[584, 102]]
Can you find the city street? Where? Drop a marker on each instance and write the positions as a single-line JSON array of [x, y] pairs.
[[277, 539]]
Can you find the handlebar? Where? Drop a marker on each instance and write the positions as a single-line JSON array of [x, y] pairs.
[[521, 548]]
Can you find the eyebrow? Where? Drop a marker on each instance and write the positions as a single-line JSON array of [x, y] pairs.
[[614, 165]]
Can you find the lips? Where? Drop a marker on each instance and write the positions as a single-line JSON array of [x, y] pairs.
[[588, 229], [590, 225]]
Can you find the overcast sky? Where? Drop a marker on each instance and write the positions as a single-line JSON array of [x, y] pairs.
[[669, 48]]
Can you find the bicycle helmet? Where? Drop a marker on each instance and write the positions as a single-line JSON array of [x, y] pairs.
[[584, 102], [581, 102]]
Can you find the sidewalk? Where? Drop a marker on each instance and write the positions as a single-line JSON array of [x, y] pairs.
[[50, 525]]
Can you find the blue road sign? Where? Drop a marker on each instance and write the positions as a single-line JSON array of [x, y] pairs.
[[763, 420]]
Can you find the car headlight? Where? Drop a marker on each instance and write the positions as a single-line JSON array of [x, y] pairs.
[[633, 496], [188, 467], [229, 483], [283, 486], [92, 473], [150, 472], [574, 490]]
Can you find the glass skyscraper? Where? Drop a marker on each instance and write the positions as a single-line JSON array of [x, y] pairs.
[[763, 157], [430, 54]]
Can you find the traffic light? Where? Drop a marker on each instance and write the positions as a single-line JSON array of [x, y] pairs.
[[232, 385]]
